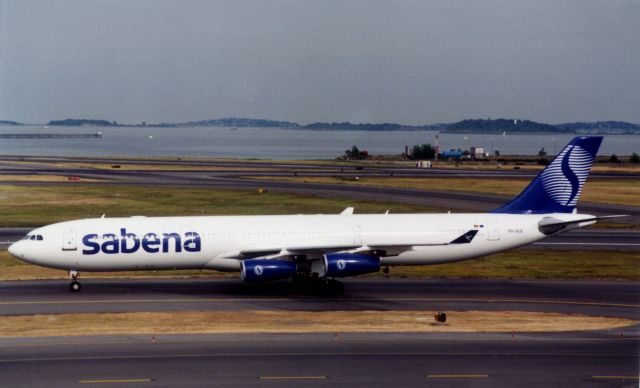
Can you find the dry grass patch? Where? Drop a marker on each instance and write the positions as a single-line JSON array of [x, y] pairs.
[[299, 322]]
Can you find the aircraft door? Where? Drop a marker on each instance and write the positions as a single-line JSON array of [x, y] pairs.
[[69, 242], [493, 231], [357, 234]]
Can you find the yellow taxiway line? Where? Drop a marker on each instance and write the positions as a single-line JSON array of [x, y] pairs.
[[292, 377], [114, 381], [457, 376]]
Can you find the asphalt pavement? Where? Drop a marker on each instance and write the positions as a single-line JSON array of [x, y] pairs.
[[599, 298], [371, 360]]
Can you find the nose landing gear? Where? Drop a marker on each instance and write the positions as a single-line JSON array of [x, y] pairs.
[[74, 286]]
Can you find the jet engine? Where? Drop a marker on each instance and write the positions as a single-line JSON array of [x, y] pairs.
[[263, 270], [340, 265]]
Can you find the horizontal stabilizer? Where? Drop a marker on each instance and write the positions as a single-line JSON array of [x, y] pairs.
[[550, 225]]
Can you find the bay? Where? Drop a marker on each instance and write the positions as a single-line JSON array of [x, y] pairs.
[[279, 144]]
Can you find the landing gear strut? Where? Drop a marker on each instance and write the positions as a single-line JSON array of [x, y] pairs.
[[318, 285], [74, 286]]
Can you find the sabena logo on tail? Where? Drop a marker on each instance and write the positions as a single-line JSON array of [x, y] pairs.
[[557, 188], [564, 178]]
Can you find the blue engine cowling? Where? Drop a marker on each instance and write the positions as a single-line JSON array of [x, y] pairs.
[[340, 265], [263, 270]]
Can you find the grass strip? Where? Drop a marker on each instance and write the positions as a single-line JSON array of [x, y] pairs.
[[154, 323], [42, 205]]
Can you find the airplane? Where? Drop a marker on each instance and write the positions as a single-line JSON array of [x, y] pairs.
[[317, 248]]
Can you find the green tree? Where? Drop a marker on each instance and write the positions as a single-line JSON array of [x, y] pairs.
[[542, 152], [423, 151], [635, 158], [353, 153], [614, 158]]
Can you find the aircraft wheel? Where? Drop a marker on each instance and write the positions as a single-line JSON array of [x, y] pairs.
[[328, 287], [75, 286], [335, 287]]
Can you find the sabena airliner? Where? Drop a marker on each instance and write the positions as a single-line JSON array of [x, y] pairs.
[[318, 248]]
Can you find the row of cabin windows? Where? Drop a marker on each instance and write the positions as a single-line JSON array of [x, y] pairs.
[[316, 233], [160, 236], [38, 237]]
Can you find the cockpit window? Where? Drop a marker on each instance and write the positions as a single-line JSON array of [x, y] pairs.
[[33, 237], [39, 237], [26, 237]]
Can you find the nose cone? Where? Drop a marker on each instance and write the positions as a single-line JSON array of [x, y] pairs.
[[15, 251]]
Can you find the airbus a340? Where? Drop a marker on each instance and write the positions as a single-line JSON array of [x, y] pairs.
[[320, 248]]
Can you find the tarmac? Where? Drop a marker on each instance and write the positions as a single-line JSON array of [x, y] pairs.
[[589, 358], [372, 360]]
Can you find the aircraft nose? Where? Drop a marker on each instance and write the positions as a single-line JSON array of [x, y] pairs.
[[14, 249]]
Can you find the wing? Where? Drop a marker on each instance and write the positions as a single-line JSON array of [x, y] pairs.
[[385, 245]]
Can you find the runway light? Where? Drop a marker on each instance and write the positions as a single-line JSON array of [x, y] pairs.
[[441, 317]]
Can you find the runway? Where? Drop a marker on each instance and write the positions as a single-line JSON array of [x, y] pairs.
[[608, 298], [401, 359]]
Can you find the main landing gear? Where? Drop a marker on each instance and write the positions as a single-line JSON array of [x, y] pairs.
[[74, 286], [318, 285]]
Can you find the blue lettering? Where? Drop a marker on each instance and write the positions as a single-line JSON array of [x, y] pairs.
[[89, 243], [110, 246], [192, 244], [151, 243], [125, 238], [165, 242]]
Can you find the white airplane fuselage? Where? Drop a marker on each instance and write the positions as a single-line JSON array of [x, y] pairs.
[[214, 242]]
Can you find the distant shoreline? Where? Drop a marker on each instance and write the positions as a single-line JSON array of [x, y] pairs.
[[447, 132]]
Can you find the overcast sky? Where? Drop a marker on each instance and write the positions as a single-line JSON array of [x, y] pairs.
[[411, 62]]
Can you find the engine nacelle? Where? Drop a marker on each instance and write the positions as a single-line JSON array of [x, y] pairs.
[[263, 270], [340, 265]]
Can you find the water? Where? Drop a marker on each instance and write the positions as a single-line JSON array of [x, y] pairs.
[[266, 143]]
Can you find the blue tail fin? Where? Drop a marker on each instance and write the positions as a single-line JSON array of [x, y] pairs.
[[557, 188]]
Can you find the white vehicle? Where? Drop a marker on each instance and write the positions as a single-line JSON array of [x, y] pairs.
[[317, 247]]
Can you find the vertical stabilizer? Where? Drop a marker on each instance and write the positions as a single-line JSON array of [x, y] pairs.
[[557, 188]]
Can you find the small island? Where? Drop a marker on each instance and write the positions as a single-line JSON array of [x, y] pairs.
[[7, 122], [84, 122]]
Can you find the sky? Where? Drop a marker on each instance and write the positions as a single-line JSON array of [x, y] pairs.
[[410, 62]]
